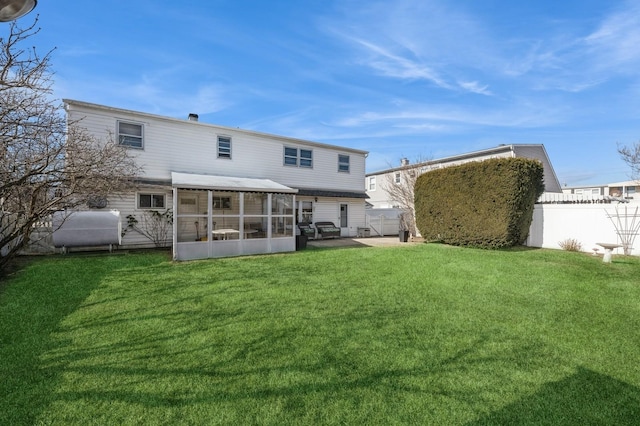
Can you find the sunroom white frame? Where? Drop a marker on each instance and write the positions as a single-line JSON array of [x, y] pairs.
[[210, 248]]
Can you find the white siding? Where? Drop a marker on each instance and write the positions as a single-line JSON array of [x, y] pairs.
[[379, 197], [189, 146], [173, 145], [126, 205], [537, 152], [327, 209], [357, 217]]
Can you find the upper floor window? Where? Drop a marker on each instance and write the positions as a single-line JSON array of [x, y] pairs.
[[298, 157], [372, 183], [343, 163], [224, 147], [151, 201], [397, 177], [290, 156], [306, 158], [130, 134]]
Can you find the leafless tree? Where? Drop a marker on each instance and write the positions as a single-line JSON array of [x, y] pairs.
[[400, 184], [154, 225], [631, 156], [46, 163]]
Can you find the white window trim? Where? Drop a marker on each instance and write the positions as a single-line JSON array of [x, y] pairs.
[[285, 156], [371, 185], [347, 164], [225, 157], [133, 123], [162, 194], [298, 157]]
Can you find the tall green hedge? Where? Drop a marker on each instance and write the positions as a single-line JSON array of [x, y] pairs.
[[485, 204]]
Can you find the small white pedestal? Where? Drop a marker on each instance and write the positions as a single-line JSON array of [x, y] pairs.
[[608, 251]]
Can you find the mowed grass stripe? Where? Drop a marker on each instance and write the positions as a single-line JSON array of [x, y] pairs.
[[421, 333]]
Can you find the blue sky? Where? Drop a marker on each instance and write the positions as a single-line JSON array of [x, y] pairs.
[[405, 78]]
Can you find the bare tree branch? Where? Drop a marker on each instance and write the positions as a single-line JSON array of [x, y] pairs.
[[400, 184], [631, 156], [46, 163]]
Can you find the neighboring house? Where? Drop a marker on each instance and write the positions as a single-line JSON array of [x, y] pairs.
[[379, 184], [629, 190], [231, 191]]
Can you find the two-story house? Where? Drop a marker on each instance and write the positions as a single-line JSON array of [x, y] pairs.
[[380, 185], [231, 191]]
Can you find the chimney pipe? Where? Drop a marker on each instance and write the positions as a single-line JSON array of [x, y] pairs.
[[193, 117], [404, 162]]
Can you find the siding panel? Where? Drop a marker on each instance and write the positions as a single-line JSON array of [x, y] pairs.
[[188, 146], [191, 147]]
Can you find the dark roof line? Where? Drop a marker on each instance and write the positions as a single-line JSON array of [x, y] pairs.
[[499, 148], [301, 191], [330, 193]]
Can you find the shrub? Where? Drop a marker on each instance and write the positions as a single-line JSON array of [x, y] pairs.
[[570, 244], [154, 225], [486, 204]]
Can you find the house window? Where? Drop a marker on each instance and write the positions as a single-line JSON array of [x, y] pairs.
[[224, 147], [306, 158], [151, 201], [221, 203], [290, 156], [343, 163], [614, 191], [372, 183], [298, 157], [130, 134], [397, 178]]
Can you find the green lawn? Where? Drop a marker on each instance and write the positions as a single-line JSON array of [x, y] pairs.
[[418, 334]]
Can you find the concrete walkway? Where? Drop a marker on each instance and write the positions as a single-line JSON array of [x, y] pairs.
[[358, 242]]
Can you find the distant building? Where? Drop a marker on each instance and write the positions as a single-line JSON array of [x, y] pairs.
[[377, 183], [628, 190]]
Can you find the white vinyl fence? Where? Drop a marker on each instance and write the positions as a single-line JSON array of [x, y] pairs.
[[588, 224], [558, 198], [383, 222]]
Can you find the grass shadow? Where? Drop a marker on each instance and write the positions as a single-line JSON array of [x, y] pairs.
[[585, 398], [31, 312]]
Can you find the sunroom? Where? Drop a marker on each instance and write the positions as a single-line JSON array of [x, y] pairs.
[[221, 216]]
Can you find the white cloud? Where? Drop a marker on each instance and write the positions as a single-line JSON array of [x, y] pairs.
[[614, 45], [475, 87], [578, 63], [395, 65], [451, 118], [416, 40]]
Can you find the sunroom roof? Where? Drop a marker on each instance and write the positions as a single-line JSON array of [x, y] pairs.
[[227, 183]]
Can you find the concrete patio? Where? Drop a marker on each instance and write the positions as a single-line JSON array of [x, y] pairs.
[[360, 242]]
